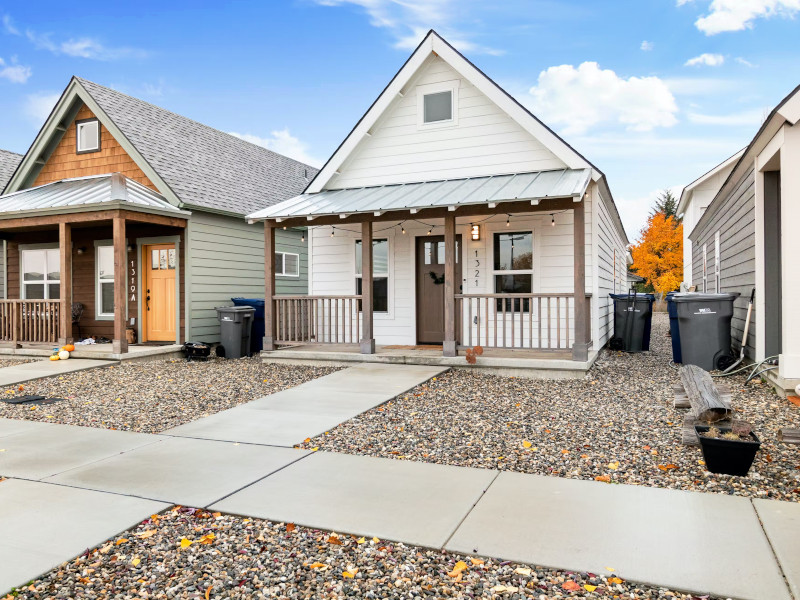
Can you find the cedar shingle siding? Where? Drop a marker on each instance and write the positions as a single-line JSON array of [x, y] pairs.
[[734, 218]]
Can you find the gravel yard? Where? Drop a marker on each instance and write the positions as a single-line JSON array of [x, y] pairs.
[[617, 425], [154, 396], [13, 362], [188, 553]]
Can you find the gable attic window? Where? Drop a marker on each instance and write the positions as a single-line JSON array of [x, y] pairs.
[[438, 107], [87, 136], [437, 104]]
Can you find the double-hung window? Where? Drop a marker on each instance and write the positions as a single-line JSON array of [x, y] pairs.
[[287, 264], [104, 269], [513, 267], [380, 274], [41, 274]]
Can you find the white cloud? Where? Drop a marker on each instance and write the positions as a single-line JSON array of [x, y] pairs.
[[738, 15], [706, 59], [409, 21], [84, 47], [745, 62], [8, 25], [282, 142], [750, 118], [14, 72], [646, 46], [38, 106], [577, 99]]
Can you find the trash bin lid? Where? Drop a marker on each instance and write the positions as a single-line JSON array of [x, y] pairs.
[[637, 295], [703, 297], [248, 302], [234, 309]]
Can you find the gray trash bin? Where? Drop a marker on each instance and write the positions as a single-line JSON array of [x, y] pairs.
[[704, 323], [633, 314], [235, 324]]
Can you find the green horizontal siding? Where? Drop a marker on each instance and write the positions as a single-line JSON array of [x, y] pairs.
[[227, 261]]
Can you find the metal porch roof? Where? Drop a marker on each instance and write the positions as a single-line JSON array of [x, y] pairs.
[[532, 187], [68, 195]]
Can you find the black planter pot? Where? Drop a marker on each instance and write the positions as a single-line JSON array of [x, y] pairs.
[[730, 457]]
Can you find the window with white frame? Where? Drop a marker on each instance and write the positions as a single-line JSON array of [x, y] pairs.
[[380, 274], [287, 264], [41, 274], [87, 136], [513, 267], [705, 268], [437, 104], [717, 263], [104, 276]]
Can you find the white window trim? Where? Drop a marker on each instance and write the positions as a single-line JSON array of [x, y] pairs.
[[435, 88], [494, 272], [389, 312], [283, 272], [717, 262], [98, 299], [78, 127], [705, 268], [46, 282]]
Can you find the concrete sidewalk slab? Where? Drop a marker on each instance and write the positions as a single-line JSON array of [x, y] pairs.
[[698, 542], [181, 471], [288, 417], [12, 426], [44, 525], [47, 368], [412, 502], [781, 522], [36, 453]]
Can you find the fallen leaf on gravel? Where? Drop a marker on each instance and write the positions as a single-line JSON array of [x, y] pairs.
[[376, 540], [768, 457], [646, 447], [613, 465], [570, 586], [208, 592], [334, 539], [121, 541], [290, 527], [526, 444], [146, 534], [186, 543], [603, 478], [522, 571], [669, 467], [316, 565], [612, 569], [589, 588], [459, 566], [565, 452], [361, 540], [208, 539], [347, 574], [135, 562], [584, 456], [305, 441], [614, 580], [476, 561]]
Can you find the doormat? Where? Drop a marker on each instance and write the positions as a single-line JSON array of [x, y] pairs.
[[31, 400]]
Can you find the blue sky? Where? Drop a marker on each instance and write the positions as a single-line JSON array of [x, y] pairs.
[[654, 92]]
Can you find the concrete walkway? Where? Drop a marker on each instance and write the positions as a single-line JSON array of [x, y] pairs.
[[46, 368], [91, 484]]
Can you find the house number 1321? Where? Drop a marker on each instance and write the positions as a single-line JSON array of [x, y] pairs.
[[477, 268]]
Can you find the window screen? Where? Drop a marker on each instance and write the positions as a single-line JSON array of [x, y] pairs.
[[438, 107]]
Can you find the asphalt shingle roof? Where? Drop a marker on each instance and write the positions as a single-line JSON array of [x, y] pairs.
[[203, 166], [8, 164]]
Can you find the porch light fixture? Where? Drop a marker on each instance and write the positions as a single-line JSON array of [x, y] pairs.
[[81, 250], [131, 247], [476, 233]]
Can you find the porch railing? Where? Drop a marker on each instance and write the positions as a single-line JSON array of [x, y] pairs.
[[517, 321], [317, 319], [31, 321]]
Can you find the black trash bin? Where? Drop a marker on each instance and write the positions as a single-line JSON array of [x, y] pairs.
[[674, 330], [704, 323], [235, 324], [257, 335], [633, 314]]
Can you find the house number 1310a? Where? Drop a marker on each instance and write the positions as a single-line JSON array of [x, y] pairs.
[[133, 282]]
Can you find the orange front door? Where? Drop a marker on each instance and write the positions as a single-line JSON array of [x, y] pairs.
[[160, 262]]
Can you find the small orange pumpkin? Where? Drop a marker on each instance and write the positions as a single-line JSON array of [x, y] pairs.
[[69, 348]]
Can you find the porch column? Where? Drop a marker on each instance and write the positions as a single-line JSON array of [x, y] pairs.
[[269, 286], [580, 350], [65, 258], [368, 339], [449, 345], [120, 342]]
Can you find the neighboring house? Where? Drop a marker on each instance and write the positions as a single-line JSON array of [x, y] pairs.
[[137, 213], [748, 236], [485, 226], [633, 279], [8, 164], [694, 201]]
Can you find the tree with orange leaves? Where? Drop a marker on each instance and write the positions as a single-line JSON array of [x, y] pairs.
[[658, 255]]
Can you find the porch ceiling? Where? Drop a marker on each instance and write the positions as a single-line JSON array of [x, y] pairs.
[[452, 193], [99, 192]]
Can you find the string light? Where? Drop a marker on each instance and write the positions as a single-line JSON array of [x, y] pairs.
[[430, 231], [303, 237], [284, 227], [333, 230], [552, 220], [402, 229], [508, 220]]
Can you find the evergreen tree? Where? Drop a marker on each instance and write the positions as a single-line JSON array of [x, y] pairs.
[[667, 205]]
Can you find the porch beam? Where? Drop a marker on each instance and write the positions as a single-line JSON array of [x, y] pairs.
[[464, 211], [269, 286], [449, 346], [65, 284], [367, 342], [119, 344], [154, 219], [91, 216], [580, 349]]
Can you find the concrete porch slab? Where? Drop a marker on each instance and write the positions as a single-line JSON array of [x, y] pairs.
[[412, 502], [98, 352], [12, 426], [518, 363], [44, 525], [781, 521], [36, 453], [181, 471], [287, 418], [697, 542], [46, 368]]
